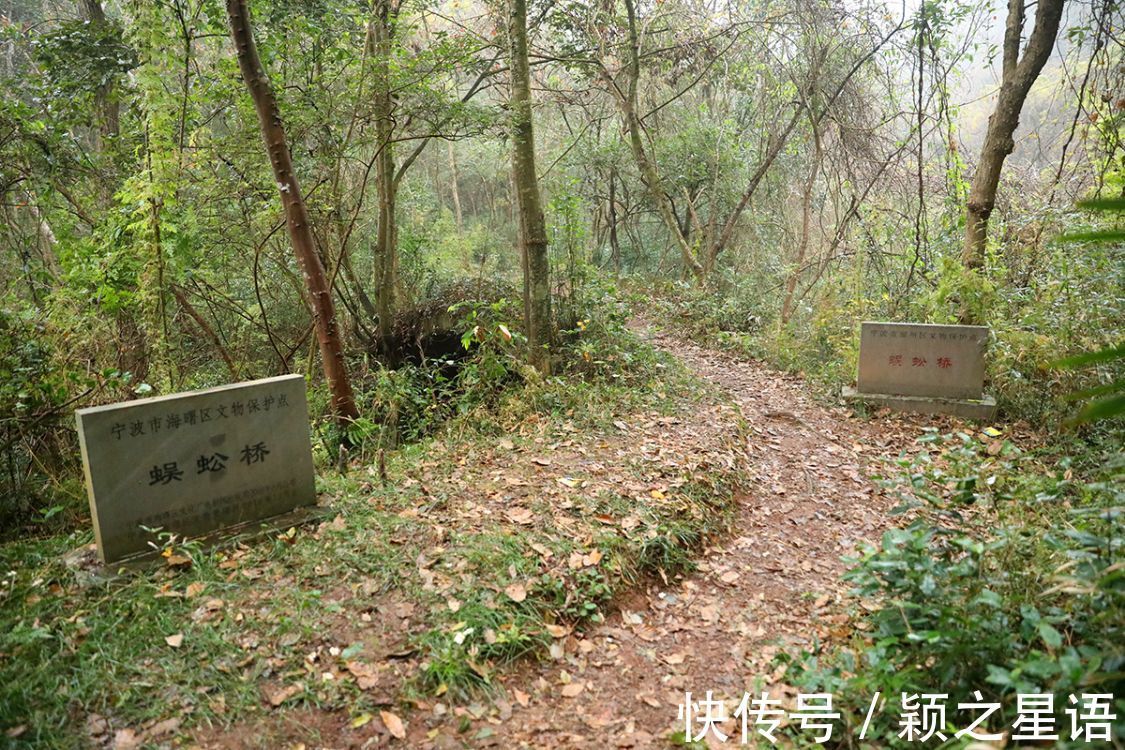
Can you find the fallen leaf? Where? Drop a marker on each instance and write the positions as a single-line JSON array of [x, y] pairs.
[[161, 728], [175, 641], [393, 724], [522, 516], [365, 675], [360, 720], [558, 631], [194, 589], [673, 659], [178, 561], [516, 592], [278, 696], [573, 689], [522, 698], [126, 739]]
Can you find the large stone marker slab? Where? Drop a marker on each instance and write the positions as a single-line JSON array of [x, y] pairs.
[[191, 463], [924, 367]]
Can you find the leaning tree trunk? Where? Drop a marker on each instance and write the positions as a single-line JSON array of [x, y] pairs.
[[650, 175], [532, 228], [297, 218], [1018, 76]]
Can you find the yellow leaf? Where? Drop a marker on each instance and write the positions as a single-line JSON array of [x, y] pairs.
[[360, 720], [657, 494]]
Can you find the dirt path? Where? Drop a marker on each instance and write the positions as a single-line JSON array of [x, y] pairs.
[[773, 584]]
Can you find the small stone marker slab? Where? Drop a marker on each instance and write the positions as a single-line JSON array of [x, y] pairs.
[[195, 462], [924, 367]]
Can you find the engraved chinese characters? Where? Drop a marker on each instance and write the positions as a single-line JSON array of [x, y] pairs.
[[912, 359], [194, 462]]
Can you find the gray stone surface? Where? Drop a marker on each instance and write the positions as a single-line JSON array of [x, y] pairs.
[[983, 408], [915, 359], [195, 462]]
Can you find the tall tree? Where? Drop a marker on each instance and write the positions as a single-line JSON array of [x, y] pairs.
[[380, 40], [296, 214], [529, 205], [1018, 75]]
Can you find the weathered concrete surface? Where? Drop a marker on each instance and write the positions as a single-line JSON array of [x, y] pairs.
[[983, 408], [191, 463], [916, 359]]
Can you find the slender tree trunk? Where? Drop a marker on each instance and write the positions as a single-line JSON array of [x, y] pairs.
[[614, 242], [1019, 73], [806, 220], [205, 328], [533, 230], [774, 146], [386, 260], [455, 188], [297, 219]]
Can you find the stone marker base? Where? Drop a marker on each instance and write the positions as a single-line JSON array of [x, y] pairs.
[[86, 565], [982, 409]]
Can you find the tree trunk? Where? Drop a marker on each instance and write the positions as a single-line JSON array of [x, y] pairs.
[[1018, 76], [532, 227], [806, 220], [614, 242], [205, 328], [386, 260], [105, 100], [455, 189], [649, 173], [774, 145], [297, 219]]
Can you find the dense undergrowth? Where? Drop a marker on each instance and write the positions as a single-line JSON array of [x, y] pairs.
[[1006, 578]]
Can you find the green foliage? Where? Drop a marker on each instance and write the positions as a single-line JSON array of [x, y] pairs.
[[34, 424], [1110, 397], [1022, 595]]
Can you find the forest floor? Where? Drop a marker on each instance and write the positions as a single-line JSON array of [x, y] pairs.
[[663, 528], [771, 584]]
